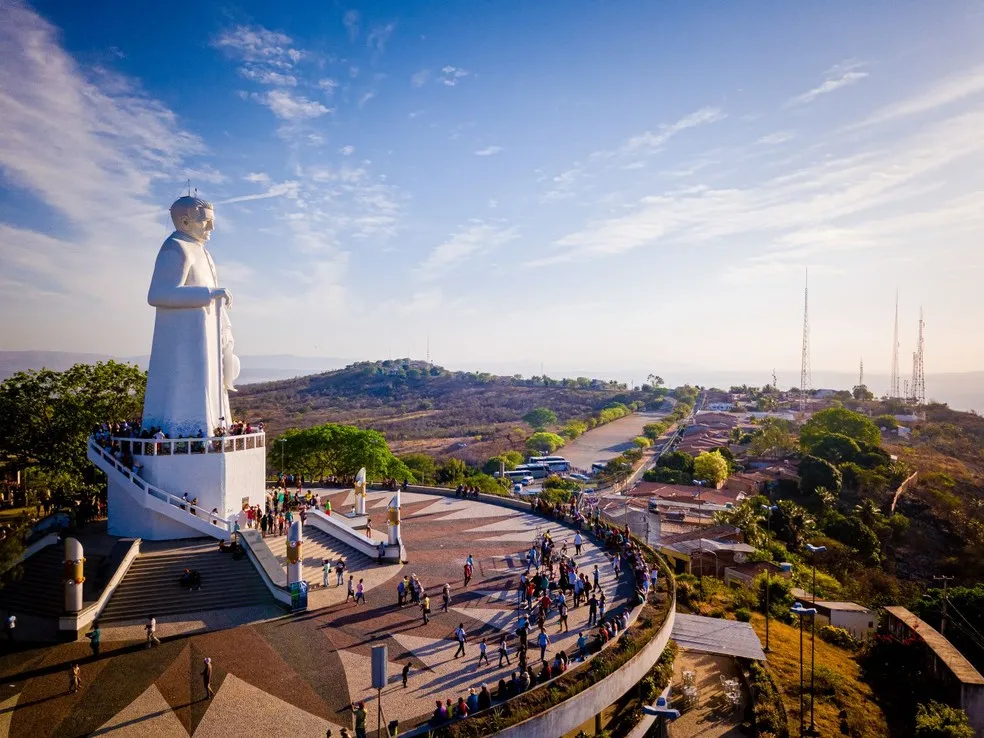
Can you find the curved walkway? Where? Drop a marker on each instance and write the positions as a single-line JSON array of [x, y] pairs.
[[299, 674]]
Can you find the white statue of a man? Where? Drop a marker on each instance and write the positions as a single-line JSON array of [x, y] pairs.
[[192, 366]]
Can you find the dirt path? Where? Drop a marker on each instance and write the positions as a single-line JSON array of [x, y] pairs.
[[607, 441]]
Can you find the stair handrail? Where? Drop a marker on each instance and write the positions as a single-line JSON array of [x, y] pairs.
[[157, 492]]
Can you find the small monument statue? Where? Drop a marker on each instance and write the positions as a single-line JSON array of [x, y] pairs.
[[393, 519], [295, 565], [360, 492], [192, 364]]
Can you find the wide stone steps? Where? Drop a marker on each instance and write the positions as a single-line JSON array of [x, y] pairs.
[[41, 590], [317, 547], [152, 584]]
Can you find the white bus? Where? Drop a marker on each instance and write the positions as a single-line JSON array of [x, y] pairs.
[[535, 470], [518, 475], [556, 464]]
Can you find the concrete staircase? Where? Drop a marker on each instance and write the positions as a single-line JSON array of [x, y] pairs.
[[40, 591], [318, 546], [151, 586]]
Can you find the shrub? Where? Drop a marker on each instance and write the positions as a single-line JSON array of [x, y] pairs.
[[767, 707], [937, 720], [743, 615], [642, 442], [839, 637]]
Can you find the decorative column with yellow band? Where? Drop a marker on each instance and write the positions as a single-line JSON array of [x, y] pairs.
[[393, 519], [294, 566], [360, 492], [73, 575]]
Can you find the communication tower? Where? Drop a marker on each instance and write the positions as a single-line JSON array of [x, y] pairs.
[[918, 368]]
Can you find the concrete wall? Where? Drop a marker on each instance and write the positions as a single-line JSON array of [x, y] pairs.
[[859, 624], [129, 519], [571, 713]]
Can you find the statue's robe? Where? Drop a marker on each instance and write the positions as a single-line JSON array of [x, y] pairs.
[[185, 392]]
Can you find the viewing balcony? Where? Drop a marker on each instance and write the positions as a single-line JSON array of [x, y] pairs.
[[186, 446]]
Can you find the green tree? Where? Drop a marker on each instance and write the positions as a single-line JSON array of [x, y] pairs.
[[574, 428], [838, 420], [816, 472], [543, 442], [791, 523], [540, 417], [939, 720], [836, 448], [862, 393], [642, 442], [511, 459], [422, 466], [711, 468], [772, 439], [886, 421], [452, 471], [747, 517], [337, 450], [653, 431], [678, 461]]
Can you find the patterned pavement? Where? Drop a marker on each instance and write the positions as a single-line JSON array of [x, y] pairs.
[[298, 675]]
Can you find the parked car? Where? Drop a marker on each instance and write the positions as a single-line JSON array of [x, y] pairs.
[[580, 477]]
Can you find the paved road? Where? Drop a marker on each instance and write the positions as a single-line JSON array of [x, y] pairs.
[[607, 441]]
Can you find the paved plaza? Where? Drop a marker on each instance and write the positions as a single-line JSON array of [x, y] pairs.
[[297, 675]]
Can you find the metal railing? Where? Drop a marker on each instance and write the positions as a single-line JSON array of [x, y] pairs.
[[185, 446], [182, 505]]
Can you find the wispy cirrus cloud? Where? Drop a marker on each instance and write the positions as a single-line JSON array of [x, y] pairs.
[[419, 78], [488, 151], [476, 237], [351, 22], [267, 76], [450, 75], [953, 89], [841, 75], [291, 107], [379, 36]]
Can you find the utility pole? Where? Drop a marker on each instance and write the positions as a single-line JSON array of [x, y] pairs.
[[943, 615], [919, 369]]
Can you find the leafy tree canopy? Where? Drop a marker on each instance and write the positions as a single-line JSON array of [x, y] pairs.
[[939, 720], [422, 466], [711, 468], [816, 472], [543, 442], [677, 460], [838, 420], [836, 448], [540, 417], [337, 450]]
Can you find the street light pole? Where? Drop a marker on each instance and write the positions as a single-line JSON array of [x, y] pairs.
[[798, 609], [813, 633], [700, 536], [283, 445], [768, 579]]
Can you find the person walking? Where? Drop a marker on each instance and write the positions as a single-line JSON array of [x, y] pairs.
[[401, 592], [351, 589], [325, 572], [543, 640], [360, 712], [482, 655], [340, 572], [74, 679], [504, 652], [406, 674], [94, 637], [562, 609], [468, 573], [460, 634], [445, 597], [597, 579], [360, 593], [425, 608], [578, 542], [151, 629], [207, 679], [601, 608]]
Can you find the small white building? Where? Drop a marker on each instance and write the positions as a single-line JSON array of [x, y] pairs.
[[857, 619]]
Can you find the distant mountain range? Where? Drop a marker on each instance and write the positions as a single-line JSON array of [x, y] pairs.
[[960, 390]]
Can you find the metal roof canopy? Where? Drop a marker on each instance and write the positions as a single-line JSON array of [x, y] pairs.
[[717, 636]]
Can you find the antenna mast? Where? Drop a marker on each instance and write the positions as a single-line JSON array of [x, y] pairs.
[[919, 369], [893, 390], [861, 374], [805, 378]]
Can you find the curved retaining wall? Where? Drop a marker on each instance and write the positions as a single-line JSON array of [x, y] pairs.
[[571, 713]]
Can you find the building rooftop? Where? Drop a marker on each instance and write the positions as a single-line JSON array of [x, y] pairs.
[[955, 661]]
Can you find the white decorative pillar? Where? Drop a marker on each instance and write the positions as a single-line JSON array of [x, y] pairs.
[[73, 575], [294, 567], [394, 520], [360, 492]]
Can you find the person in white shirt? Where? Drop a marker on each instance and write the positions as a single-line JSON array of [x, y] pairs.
[[11, 625], [460, 634], [578, 542], [151, 628]]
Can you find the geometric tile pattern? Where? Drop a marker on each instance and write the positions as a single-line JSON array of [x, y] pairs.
[[297, 675]]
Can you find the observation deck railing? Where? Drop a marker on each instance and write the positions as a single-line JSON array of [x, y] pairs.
[[186, 446]]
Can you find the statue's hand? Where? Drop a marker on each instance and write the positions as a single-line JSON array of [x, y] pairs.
[[225, 294]]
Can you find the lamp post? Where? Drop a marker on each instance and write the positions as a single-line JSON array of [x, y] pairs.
[[813, 631], [768, 579], [798, 609], [664, 714], [283, 445]]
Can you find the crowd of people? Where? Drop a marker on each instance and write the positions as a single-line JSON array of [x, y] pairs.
[[105, 432]]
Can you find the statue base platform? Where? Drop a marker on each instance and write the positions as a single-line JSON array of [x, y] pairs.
[[353, 520]]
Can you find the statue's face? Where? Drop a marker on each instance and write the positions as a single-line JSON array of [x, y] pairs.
[[199, 223]]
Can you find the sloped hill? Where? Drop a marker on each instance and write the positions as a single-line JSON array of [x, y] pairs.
[[413, 400]]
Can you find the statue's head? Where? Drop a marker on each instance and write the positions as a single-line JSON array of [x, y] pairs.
[[194, 217]]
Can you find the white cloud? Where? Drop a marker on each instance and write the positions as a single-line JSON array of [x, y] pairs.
[[258, 178], [327, 85], [347, 150], [488, 151], [283, 189], [779, 137], [366, 98], [841, 75], [259, 45], [379, 36], [268, 77], [351, 22], [475, 238], [290, 107], [493, 204], [953, 89], [450, 75], [649, 143], [419, 79]]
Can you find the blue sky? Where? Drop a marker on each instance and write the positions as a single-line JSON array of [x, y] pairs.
[[592, 185]]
